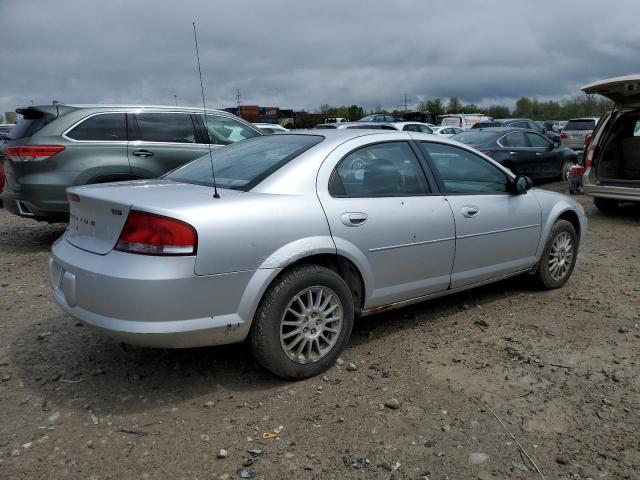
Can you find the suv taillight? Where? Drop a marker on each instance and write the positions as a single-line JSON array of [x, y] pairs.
[[588, 159], [587, 139], [150, 234], [563, 135], [29, 153]]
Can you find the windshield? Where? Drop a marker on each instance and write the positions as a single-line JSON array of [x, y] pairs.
[[243, 165], [30, 123], [368, 118], [473, 137]]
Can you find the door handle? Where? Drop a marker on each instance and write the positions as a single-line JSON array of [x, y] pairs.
[[354, 219], [513, 153], [143, 153], [538, 154], [470, 211]]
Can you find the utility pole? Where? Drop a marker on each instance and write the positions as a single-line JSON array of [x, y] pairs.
[[405, 102], [239, 102]]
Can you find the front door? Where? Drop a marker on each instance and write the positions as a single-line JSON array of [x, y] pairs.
[[548, 158], [384, 216], [497, 233]]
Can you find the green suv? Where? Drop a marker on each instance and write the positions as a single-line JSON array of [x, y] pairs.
[[53, 147]]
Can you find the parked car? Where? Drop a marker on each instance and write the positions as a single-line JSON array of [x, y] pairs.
[[612, 159], [524, 152], [356, 125], [462, 120], [402, 126], [308, 230], [270, 128], [378, 117], [56, 146], [5, 128], [575, 130], [447, 131], [521, 123]]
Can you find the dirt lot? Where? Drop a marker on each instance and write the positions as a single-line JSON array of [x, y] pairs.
[[559, 368]]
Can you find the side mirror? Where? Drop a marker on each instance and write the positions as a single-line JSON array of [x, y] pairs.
[[520, 184]]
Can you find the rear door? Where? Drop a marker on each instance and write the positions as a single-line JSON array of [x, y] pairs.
[[385, 214], [497, 233], [162, 141], [99, 142]]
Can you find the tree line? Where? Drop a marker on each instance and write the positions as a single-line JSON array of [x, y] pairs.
[[580, 106]]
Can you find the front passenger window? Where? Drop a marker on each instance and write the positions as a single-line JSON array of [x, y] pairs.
[[381, 170], [465, 172], [226, 130]]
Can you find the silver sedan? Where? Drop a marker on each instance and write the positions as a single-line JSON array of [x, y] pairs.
[[308, 230]]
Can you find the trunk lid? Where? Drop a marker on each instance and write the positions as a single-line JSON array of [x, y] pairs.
[[623, 90], [97, 213]]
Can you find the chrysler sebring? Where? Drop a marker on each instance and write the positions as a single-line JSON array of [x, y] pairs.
[[307, 230]]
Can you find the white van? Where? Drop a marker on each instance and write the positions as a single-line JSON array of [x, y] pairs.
[[462, 120]]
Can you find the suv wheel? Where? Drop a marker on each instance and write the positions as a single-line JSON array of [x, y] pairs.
[[303, 322], [558, 257], [605, 204]]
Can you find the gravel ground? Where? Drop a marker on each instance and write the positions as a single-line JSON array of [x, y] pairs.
[[421, 394]]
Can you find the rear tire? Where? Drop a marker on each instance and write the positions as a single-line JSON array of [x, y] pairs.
[[308, 305], [558, 257], [605, 205]]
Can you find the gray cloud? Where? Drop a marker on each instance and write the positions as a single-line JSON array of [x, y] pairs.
[[302, 54]]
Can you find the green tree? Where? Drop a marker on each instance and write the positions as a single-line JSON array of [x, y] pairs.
[[523, 108], [454, 105], [355, 112], [434, 106], [498, 111]]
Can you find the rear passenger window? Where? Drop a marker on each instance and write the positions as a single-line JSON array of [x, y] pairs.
[[515, 140], [465, 172], [381, 170], [106, 127], [226, 130], [538, 141], [165, 127]]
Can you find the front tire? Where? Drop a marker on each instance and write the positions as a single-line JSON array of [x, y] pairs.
[[303, 323], [558, 257]]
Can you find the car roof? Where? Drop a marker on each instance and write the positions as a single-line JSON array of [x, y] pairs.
[[141, 107]]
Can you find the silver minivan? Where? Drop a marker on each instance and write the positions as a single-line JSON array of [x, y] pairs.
[[574, 132], [612, 158]]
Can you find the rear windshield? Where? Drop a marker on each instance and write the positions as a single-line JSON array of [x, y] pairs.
[[30, 123], [486, 124], [242, 165], [580, 125], [473, 137]]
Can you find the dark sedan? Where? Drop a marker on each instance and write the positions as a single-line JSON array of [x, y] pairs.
[[524, 152], [520, 123]]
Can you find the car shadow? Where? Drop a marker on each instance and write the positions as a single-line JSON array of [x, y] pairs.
[[70, 366], [23, 235]]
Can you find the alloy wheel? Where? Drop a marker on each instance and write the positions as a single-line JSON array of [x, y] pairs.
[[311, 324], [560, 256]]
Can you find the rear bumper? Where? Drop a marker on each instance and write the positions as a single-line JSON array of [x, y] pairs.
[[150, 301], [18, 205], [624, 194]]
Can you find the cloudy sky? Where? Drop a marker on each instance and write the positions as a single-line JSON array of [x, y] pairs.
[[302, 53]]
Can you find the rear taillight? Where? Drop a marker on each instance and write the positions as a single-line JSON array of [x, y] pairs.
[[587, 139], [588, 159], [150, 234], [30, 153], [563, 135]]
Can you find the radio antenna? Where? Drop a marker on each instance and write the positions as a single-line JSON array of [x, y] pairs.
[[204, 107]]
